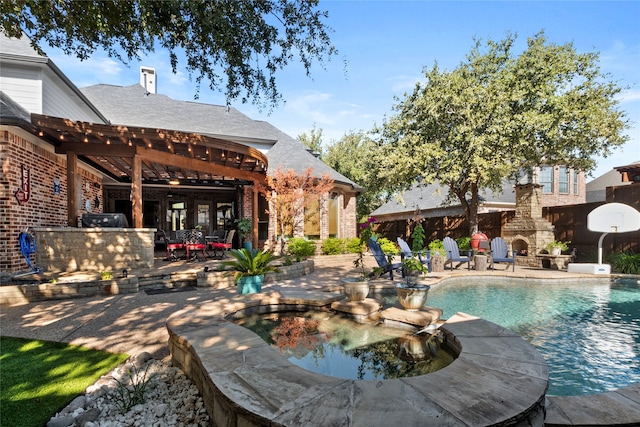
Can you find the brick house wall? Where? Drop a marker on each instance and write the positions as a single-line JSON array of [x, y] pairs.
[[577, 193], [45, 208]]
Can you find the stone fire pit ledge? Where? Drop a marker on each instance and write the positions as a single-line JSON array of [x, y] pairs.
[[498, 378]]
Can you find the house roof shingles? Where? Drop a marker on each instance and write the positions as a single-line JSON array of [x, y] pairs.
[[133, 106], [432, 196]]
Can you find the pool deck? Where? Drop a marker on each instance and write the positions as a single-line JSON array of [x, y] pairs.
[[132, 323]]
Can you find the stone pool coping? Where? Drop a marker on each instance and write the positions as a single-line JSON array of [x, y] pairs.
[[498, 378]]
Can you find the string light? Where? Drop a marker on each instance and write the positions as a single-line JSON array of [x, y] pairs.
[[108, 141]]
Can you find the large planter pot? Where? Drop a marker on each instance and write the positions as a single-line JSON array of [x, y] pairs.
[[355, 289], [555, 251], [412, 298], [247, 245], [250, 284]]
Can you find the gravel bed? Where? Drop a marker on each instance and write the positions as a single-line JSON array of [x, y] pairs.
[[171, 399]]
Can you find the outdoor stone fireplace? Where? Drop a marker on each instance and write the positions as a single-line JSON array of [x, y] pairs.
[[528, 232]]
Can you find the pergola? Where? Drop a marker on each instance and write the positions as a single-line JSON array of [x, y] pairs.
[[630, 173], [138, 156]]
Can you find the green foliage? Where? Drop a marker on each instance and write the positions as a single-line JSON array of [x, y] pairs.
[[354, 245], [498, 115], [237, 46], [417, 238], [334, 246], [436, 247], [245, 227], [625, 262], [106, 275], [250, 262], [350, 156], [40, 377], [313, 140], [131, 389], [559, 244], [413, 264], [464, 243], [387, 246], [301, 248]]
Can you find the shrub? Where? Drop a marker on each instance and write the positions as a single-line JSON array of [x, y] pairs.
[[333, 246], [130, 390], [353, 245], [625, 262], [387, 246], [418, 238], [301, 248], [464, 243], [437, 248]]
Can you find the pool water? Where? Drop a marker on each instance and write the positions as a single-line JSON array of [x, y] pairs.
[[330, 344], [588, 331]]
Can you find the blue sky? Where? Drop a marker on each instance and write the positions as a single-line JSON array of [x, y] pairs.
[[386, 44]]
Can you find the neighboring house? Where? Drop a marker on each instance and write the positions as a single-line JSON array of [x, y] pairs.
[[560, 186], [597, 189], [164, 163], [427, 201]]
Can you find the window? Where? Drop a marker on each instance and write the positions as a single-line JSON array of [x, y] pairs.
[[546, 179], [563, 180], [575, 181], [334, 211], [312, 221]]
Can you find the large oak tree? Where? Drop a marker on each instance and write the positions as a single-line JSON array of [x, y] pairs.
[[497, 116], [235, 45]]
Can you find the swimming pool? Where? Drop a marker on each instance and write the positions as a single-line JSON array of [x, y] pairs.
[[588, 330]]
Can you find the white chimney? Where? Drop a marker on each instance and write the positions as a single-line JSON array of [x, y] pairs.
[[148, 79]]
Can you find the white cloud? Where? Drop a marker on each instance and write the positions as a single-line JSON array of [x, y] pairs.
[[629, 95], [403, 83]]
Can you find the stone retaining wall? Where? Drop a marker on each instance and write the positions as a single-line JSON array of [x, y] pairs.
[[94, 249], [223, 279], [21, 294], [33, 292]]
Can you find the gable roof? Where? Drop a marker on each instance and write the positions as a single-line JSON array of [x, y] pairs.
[[432, 196], [134, 106]]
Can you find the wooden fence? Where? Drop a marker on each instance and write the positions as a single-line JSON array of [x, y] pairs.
[[570, 224]]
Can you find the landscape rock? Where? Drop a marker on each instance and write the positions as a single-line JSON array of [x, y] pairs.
[[171, 399]]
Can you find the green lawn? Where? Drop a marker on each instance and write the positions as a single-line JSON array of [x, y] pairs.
[[39, 378]]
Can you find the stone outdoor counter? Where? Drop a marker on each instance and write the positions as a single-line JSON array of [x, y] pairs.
[[498, 378], [94, 249]]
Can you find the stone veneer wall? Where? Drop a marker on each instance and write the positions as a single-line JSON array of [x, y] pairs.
[[94, 249]]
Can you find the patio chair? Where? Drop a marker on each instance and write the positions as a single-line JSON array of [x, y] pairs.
[[406, 252], [173, 243], [221, 248], [453, 253], [382, 260], [195, 244], [500, 253]]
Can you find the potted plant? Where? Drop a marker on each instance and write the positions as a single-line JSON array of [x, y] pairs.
[[412, 294], [249, 268], [357, 288], [245, 227], [438, 255], [557, 247]]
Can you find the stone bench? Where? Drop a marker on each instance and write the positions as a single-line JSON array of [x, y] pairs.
[[556, 262]]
